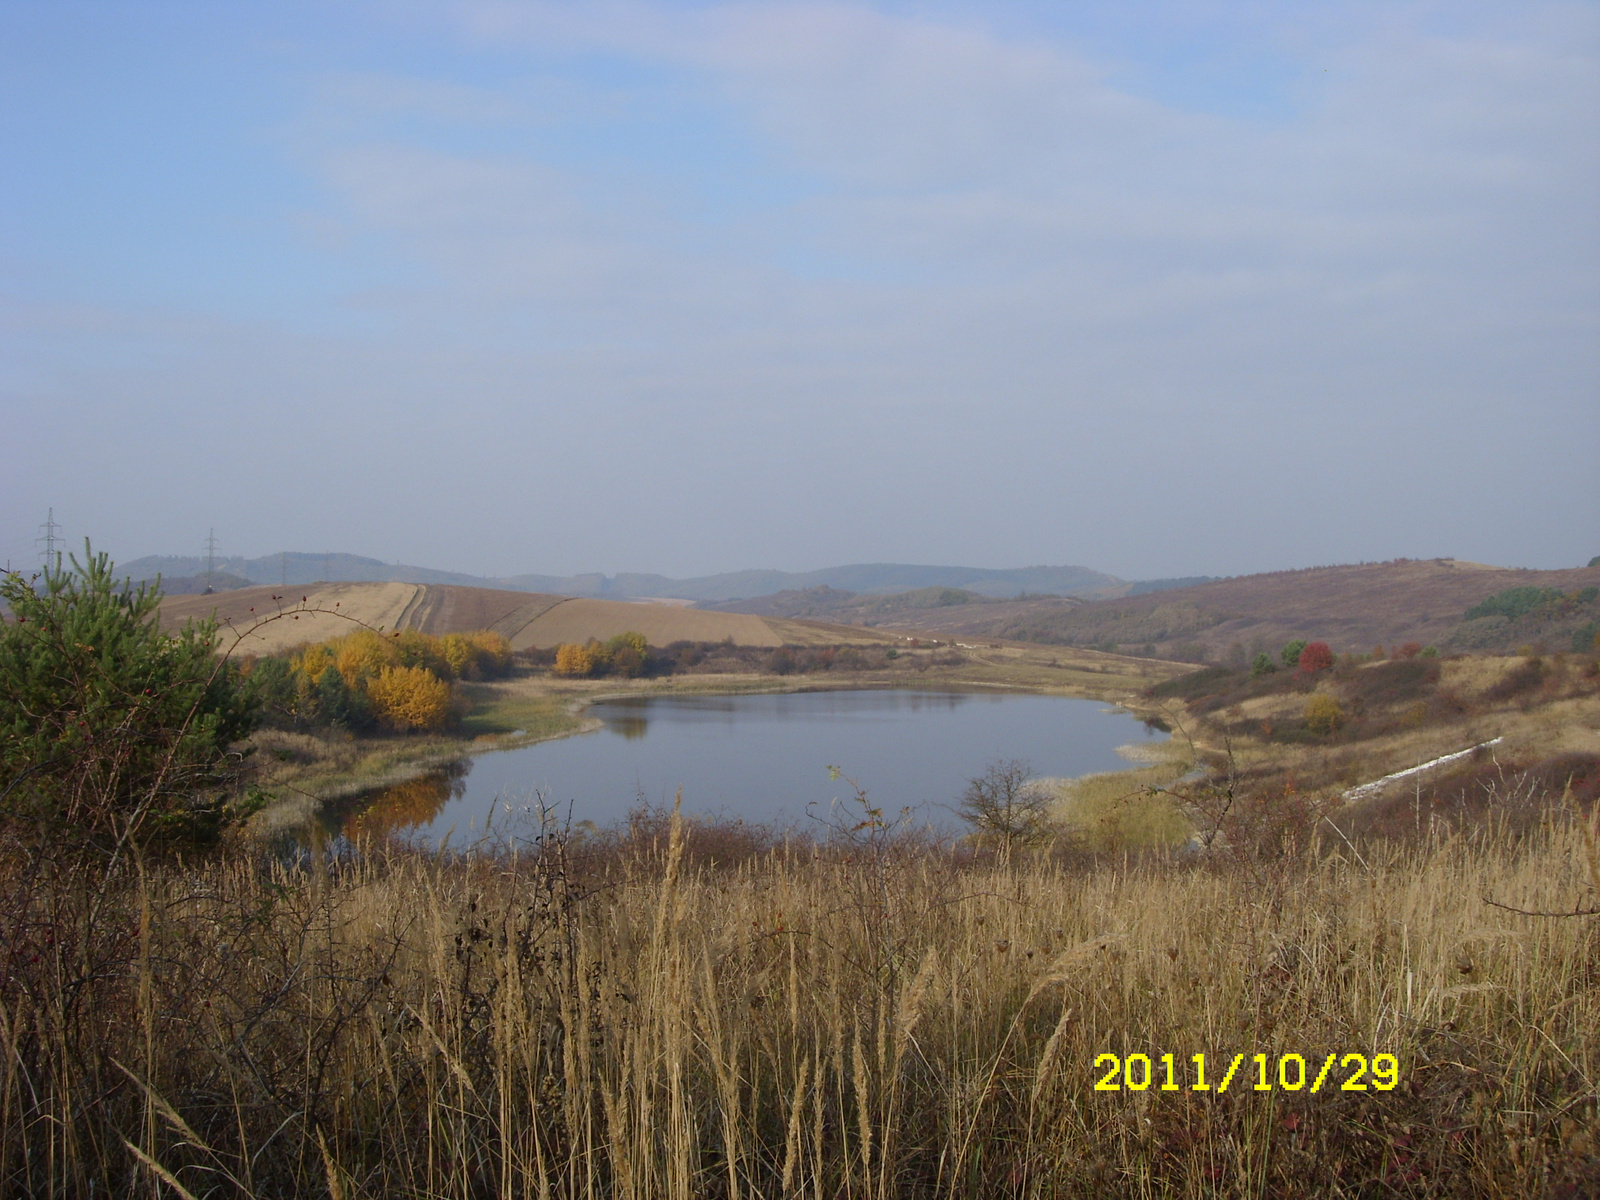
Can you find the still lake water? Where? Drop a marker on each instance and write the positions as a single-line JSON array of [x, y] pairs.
[[763, 759]]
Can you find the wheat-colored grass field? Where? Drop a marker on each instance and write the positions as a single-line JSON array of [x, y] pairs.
[[669, 1016]]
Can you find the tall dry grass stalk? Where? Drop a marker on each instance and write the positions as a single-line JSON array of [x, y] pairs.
[[814, 1022]]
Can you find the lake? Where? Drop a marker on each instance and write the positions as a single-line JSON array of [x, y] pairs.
[[764, 759]]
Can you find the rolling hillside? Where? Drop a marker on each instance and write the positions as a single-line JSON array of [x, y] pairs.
[[527, 620], [1350, 607]]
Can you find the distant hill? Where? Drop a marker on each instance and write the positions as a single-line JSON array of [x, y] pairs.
[[1352, 608], [859, 578], [1142, 586], [831, 604], [194, 585], [297, 569]]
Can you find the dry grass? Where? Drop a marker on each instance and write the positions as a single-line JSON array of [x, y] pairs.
[[1124, 810], [856, 1020]]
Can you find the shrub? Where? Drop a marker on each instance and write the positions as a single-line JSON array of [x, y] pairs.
[[1006, 806], [1262, 665], [1392, 682], [1513, 602], [106, 723], [273, 682], [573, 660], [494, 653], [481, 655], [337, 701], [1408, 650], [1525, 677], [1323, 714], [627, 662], [1208, 681], [1315, 657], [626, 654], [1290, 654], [406, 698]]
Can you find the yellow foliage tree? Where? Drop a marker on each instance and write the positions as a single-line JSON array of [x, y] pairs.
[[1323, 714], [494, 652], [406, 698], [574, 660], [480, 655], [362, 655], [313, 661], [459, 654], [417, 649], [625, 653]]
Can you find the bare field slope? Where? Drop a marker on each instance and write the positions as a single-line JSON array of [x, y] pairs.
[[577, 620], [269, 620], [245, 612]]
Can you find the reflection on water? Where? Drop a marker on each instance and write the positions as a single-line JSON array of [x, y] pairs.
[[399, 807], [632, 728], [758, 758]]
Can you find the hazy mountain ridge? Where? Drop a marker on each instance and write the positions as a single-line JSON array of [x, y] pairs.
[[296, 569]]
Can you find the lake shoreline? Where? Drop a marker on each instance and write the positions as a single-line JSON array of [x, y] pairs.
[[537, 708], [759, 757]]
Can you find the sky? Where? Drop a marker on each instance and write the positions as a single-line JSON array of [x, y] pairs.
[[1159, 287]]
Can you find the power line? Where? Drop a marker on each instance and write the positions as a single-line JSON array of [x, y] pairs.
[[211, 560], [50, 534]]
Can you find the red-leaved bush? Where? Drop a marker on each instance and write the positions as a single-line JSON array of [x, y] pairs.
[[1315, 657]]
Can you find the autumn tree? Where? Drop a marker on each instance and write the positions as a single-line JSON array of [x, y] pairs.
[[413, 648], [1315, 657], [574, 660], [494, 653], [362, 655], [407, 698], [626, 654]]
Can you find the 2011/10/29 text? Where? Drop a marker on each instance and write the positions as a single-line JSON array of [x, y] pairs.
[[1138, 1072]]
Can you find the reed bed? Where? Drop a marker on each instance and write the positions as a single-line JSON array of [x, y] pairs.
[[864, 1019]]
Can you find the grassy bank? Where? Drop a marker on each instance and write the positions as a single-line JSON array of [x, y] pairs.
[[677, 1013]]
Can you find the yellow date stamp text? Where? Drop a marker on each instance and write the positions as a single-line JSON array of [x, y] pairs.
[[1265, 1073]]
